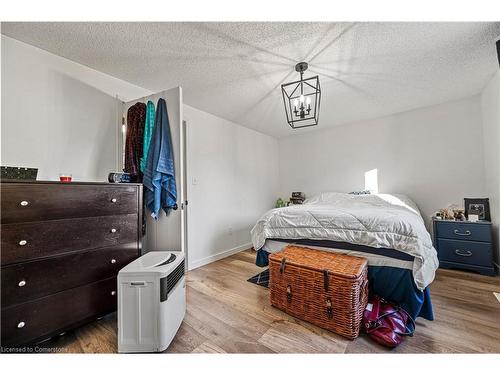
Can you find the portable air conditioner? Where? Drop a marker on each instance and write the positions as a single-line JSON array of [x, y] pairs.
[[151, 302]]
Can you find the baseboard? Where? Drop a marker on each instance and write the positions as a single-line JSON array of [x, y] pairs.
[[218, 256]]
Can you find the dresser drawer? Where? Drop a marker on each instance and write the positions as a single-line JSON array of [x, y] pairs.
[[466, 252], [53, 314], [26, 241], [31, 280], [463, 231], [38, 202]]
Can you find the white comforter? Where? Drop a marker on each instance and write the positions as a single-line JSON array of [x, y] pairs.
[[376, 220]]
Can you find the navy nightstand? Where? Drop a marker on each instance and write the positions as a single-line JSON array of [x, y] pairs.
[[464, 244]]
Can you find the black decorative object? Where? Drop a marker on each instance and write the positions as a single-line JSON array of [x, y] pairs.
[[18, 173], [297, 197], [480, 205], [302, 99], [116, 177]]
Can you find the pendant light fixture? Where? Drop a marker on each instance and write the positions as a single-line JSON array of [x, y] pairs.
[[302, 99]]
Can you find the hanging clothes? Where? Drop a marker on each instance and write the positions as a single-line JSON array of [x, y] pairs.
[[159, 176], [136, 116], [148, 132]]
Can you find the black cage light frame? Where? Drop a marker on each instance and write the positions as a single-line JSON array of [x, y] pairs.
[[292, 91]]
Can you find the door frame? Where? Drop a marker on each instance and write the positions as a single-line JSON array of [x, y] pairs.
[[184, 189]]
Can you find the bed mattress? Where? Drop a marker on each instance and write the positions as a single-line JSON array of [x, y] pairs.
[[376, 257]]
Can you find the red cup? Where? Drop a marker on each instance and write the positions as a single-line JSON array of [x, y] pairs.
[[63, 177]]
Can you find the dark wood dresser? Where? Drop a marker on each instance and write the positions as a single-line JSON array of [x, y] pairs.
[[62, 245]]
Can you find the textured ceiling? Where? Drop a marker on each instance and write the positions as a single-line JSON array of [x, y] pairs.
[[234, 70]]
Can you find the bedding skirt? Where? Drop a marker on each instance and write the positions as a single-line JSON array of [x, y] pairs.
[[392, 283]]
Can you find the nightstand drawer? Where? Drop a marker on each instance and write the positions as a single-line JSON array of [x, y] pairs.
[[463, 231], [465, 252]]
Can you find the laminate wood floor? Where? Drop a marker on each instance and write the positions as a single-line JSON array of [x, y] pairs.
[[227, 314]]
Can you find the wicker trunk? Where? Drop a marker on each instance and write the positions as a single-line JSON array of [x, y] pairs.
[[326, 289]]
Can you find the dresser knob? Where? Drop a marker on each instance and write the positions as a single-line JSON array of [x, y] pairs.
[[113, 200], [113, 261], [23, 242], [24, 203], [113, 230], [20, 325], [22, 283], [113, 293]]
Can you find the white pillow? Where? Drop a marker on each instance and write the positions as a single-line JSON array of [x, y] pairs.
[[376, 199], [327, 197]]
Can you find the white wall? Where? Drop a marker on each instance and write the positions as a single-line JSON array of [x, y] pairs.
[[490, 104], [57, 115], [232, 181], [434, 155]]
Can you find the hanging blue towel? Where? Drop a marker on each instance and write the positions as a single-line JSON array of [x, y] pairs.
[[159, 175]]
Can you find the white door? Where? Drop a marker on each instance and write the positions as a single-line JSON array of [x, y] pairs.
[[167, 233]]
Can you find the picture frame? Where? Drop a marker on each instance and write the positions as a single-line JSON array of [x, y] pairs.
[[478, 206]]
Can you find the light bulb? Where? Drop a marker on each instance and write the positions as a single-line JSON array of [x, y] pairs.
[[308, 101], [302, 98], [124, 129], [295, 103]]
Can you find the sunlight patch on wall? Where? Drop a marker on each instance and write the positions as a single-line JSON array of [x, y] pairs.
[[371, 180]]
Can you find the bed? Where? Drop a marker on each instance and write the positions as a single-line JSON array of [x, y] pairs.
[[387, 229]]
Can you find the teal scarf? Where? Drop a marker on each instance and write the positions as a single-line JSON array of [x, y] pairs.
[[148, 132]]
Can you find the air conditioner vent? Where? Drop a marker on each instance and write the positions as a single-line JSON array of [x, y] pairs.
[[175, 276], [168, 283]]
